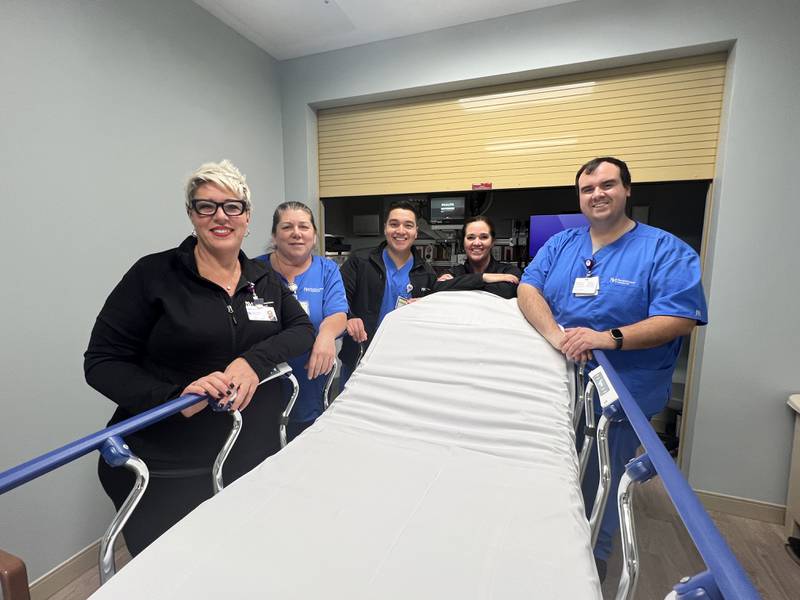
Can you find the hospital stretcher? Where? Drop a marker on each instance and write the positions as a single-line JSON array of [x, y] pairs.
[[446, 469]]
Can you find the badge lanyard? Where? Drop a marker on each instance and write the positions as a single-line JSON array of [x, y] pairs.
[[251, 287], [257, 308], [292, 285], [588, 285], [402, 300]]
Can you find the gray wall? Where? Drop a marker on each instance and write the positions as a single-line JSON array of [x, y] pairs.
[[106, 108], [740, 436]]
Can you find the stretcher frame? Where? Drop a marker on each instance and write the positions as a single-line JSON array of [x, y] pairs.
[[723, 579], [109, 442]]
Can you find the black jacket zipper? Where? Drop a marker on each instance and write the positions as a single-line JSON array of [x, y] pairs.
[[230, 312]]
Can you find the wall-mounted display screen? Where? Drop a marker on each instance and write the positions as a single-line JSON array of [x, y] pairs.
[[366, 224], [448, 210], [543, 227]]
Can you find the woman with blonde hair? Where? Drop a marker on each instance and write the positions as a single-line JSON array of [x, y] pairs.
[[203, 319]]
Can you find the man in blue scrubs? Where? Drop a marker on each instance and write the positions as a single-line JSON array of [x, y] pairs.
[[378, 280], [619, 286]]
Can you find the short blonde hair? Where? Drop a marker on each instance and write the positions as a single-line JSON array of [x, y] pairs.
[[224, 175]]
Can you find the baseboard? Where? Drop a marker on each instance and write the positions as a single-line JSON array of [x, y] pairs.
[[75, 566], [743, 507]]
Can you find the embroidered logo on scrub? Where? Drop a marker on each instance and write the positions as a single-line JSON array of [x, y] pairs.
[[620, 281]]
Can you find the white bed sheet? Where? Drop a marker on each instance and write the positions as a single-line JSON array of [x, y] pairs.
[[446, 469]]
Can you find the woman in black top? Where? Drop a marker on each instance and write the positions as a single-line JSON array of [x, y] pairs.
[[480, 270], [187, 321]]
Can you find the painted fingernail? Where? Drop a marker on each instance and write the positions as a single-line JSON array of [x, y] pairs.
[[221, 396], [227, 392], [230, 385]]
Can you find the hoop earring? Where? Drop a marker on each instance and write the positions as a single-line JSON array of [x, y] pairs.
[[193, 234], [247, 233]]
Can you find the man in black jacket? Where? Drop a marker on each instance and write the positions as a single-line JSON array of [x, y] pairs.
[[381, 279]]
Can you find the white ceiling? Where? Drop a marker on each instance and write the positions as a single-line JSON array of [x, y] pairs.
[[292, 28]]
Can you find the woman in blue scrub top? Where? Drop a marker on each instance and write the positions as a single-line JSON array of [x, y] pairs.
[[318, 286]]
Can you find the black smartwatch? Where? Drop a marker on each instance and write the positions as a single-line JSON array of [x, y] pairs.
[[618, 338]]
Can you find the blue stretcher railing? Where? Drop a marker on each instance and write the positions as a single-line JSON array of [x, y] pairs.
[[725, 578], [116, 453]]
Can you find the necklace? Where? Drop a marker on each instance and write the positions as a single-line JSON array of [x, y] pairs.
[[235, 277]]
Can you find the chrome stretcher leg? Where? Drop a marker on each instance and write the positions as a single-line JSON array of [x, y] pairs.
[[630, 552], [219, 462], [328, 383], [638, 470], [579, 395], [288, 410], [360, 354], [589, 431], [605, 477], [117, 454]]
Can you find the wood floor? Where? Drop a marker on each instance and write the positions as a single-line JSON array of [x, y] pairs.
[[87, 584], [665, 551]]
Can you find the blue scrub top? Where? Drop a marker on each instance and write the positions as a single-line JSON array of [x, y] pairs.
[[647, 272], [319, 289], [397, 286]]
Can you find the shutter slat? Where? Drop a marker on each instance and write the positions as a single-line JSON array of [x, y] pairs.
[[662, 118]]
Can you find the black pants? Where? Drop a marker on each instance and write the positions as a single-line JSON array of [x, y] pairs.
[[169, 497], [295, 429]]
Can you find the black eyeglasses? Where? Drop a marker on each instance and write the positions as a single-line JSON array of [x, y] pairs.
[[232, 208]]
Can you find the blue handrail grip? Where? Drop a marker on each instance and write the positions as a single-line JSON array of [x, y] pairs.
[[640, 468], [731, 579], [27, 471], [701, 586], [115, 451]]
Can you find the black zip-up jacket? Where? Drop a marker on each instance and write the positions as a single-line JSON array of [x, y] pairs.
[[164, 326], [364, 276], [464, 278]]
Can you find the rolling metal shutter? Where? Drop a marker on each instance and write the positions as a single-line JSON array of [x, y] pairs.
[[662, 118]]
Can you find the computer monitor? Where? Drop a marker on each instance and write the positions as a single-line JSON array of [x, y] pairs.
[[447, 212], [543, 227], [367, 224]]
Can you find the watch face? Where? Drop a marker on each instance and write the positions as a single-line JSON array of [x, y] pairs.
[[617, 335]]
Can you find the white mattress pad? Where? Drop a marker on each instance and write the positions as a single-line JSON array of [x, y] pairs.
[[446, 469]]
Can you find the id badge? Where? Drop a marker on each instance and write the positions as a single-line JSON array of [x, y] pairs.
[[260, 312], [306, 307], [586, 286], [401, 302]]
